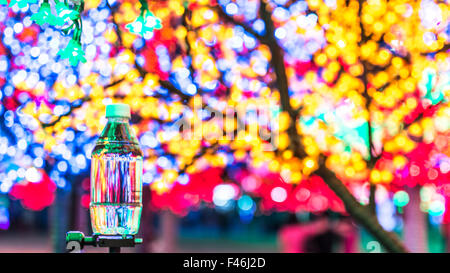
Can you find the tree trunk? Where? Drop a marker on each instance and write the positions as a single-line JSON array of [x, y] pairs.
[[445, 230], [78, 216], [169, 232], [59, 220], [362, 214], [415, 223], [82, 218], [146, 227], [445, 227]]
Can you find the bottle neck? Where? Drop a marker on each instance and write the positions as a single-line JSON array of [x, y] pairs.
[[118, 119], [118, 129]]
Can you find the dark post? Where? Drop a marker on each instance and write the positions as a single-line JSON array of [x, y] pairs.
[[58, 219], [114, 250]]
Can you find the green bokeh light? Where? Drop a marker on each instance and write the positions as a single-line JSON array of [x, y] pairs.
[[401, 198]]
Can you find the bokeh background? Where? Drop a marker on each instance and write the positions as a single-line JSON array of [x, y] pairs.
[[357, 88]]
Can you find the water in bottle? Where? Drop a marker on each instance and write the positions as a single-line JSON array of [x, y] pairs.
[[116, 176]]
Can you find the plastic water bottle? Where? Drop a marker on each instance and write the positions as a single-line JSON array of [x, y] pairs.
[[116, 176]]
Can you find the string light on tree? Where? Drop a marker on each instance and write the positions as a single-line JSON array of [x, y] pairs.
[[146, 23], [21, 3], [73, 52], [44, 15]]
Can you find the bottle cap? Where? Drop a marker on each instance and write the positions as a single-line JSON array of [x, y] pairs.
[[118, 110]]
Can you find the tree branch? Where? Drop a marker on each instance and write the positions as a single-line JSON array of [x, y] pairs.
[[204, 150], [172, 89], [419, 116], [443, 49], [362, 214], [282, 83], [185, 23], [368, 101], [73, 106], [372, 202], [232, 20], [77, 104]]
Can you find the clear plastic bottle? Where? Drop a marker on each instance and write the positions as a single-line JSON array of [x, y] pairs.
[[116, 176]]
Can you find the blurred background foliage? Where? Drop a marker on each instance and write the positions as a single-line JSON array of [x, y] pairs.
[[355, 95]]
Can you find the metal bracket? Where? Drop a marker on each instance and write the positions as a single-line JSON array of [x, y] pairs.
[[76, 240]]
